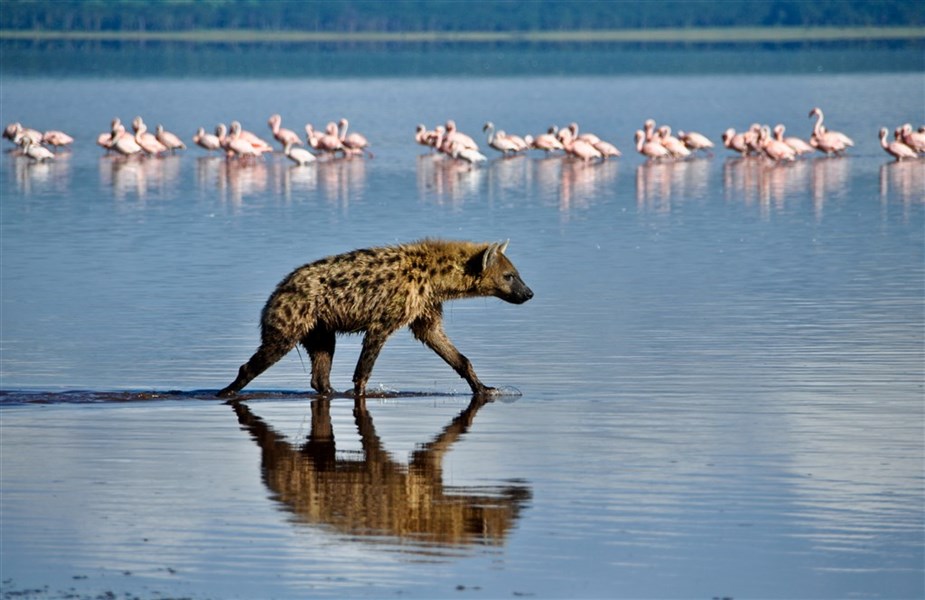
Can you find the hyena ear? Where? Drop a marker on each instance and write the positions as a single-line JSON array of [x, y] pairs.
[[492, 252]]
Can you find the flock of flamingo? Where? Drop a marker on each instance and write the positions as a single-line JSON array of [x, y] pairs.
[[654, 143]]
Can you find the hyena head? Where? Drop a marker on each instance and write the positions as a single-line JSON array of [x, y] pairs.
[[499, 277]]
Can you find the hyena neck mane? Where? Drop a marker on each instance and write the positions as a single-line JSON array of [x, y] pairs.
[[453, 269]]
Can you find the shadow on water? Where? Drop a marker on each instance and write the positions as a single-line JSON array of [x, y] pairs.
[[369, 494]]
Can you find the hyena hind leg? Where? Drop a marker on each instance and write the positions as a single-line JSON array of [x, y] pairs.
[[273, 348], [319, 343]]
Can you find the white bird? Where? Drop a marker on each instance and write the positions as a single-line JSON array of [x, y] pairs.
[[299, 156], [35, 151]]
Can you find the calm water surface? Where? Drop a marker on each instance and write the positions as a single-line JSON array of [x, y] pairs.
[[720, 376]]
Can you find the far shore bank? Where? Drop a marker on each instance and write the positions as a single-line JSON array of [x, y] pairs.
[[713, 35]]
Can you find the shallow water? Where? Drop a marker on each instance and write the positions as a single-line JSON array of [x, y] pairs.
[[720, 376]]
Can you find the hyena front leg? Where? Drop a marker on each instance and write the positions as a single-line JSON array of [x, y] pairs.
[[372, 344], [273, 347], [430, 331], [319, 343]]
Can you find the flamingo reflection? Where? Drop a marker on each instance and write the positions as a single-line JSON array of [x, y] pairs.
[[754, 180], [902, 181], [661, 183], [371, 494]]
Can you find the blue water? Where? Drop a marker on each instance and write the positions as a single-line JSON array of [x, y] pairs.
[[720, 378]]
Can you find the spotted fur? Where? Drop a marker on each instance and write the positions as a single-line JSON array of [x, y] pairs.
[[378, 291]]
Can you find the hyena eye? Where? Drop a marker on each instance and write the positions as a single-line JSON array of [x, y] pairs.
[[509, 277]]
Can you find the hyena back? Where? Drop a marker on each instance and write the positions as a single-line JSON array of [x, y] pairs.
[[378, 291]]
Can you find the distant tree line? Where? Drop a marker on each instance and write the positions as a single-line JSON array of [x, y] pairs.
[[448, 15]]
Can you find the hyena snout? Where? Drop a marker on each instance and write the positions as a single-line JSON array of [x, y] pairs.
[[514, 290]]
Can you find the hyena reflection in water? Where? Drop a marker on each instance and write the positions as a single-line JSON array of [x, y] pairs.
[[378, 291]]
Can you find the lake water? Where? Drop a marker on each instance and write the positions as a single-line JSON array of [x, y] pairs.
[[720, 377]]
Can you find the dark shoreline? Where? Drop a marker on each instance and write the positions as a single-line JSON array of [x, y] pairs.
[[707, 35]]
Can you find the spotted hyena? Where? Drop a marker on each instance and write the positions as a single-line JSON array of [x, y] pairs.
[[377, 291]]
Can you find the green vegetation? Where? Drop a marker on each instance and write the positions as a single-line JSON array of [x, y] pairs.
[[494, 19]]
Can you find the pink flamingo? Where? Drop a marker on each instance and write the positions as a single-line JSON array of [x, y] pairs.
[[581, 149], [798, 145], [56, 138], [170, 141], [896, 149], [257, 143], [752, 139], [607, 149], [147, 141], [355, 143], [498, 140], [913, 139], [106, 139], [774, 149], [328, 142], [830, 142], [454, 136], [283, 136], [695, 141], [237, 145], [675, 147], [547, 142], [15, 132], [735, 141], [459, 151], [207, 141], [424, 137], [652, 149], [587, 137], [122, 142]]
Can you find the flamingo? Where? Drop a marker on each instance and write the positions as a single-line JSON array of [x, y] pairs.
[[587, 137], [207, 141], [675, 147], [830, 142], [356, 143], [735, 141], [328, 141], [169, 140], [547, 142], [798, 145], [606, 149], [578, 148], [57, 138], [15, 132], [498, 140], [106, 139], [752, 139], [34, 151], [652, 150], [257, 143], [122, 142], [913, 139], [424, 137], [453, 135], [299, 156], [896, 149], [695, 141], [147, 141], [774, 149], [311, 136], [283, 136], [237, 145], [460, 151]]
